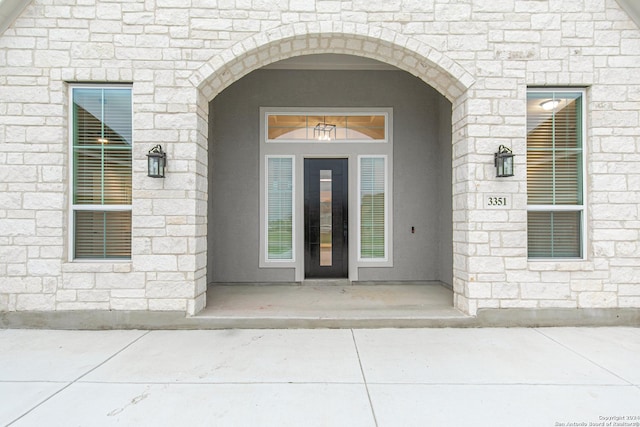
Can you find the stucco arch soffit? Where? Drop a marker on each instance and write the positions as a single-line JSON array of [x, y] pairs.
[[381, 44]]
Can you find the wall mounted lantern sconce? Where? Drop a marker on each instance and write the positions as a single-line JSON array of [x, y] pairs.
[[157, 162], [503, 161]]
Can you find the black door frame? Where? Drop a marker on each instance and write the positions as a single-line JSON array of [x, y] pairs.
[[340, 218]]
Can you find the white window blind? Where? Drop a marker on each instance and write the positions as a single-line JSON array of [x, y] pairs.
[[554, 234], [279, 201], [555, 190], [372, 202], [102, 234], [101, 151]]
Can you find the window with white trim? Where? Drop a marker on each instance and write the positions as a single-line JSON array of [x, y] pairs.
[[279, 201], [372, 207], [329, 127], [555, 173], [101, 142]]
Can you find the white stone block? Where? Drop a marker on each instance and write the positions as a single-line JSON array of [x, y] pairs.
[[518, 303], [65, 295], [129, 304], [617, 234], [17, 227], [92, 50], [486, 265], [119, 280], [505, 290], [16, 270], [597, 299], [478, 290], [624, 301], [580, 285], [92, 296], [452, 12], [11, 254], [78, 280], [18, 173], [558, 304], [44, 267], [169, 245], [625, 275], [35, 302], [629, 290], [82, 306], [155, 263], [15, 285], [167, 304], [169, 290], [109, 11], [187, 262], [555, 277], [43, 201], [53, 58], [535, 291]]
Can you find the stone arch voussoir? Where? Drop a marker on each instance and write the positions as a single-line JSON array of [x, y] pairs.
[[385, 45]]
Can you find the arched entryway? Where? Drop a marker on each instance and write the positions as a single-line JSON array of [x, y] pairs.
[[444, 79]]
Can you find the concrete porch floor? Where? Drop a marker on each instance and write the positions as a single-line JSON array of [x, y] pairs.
[[333, 304]]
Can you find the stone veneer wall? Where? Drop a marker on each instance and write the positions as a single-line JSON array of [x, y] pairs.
[[480, 54]]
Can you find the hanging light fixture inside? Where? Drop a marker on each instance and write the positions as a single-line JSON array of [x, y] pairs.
[[323, 131]]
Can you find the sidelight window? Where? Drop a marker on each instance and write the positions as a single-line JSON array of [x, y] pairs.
[[279, 201], [372, 207]]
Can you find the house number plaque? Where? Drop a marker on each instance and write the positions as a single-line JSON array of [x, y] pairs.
[[497, 201]]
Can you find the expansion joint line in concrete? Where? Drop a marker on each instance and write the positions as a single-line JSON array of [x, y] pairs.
[[364, 378], [79, 378]]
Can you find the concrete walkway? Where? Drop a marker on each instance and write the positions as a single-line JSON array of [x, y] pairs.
[[321, 377]]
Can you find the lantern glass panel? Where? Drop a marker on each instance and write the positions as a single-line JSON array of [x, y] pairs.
[[507, 165]]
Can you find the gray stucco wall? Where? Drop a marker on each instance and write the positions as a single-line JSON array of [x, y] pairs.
[[422, 168]]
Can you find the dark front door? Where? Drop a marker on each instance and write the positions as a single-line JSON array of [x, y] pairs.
[[325, 218]]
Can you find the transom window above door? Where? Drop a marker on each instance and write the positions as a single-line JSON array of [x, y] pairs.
[[283, 127]]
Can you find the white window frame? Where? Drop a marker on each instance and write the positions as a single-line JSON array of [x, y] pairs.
[[568, 208], [386, 257], [73, 208], [265, 261], [307, 112]]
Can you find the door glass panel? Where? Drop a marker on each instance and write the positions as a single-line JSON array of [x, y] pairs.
[[326, 220]]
